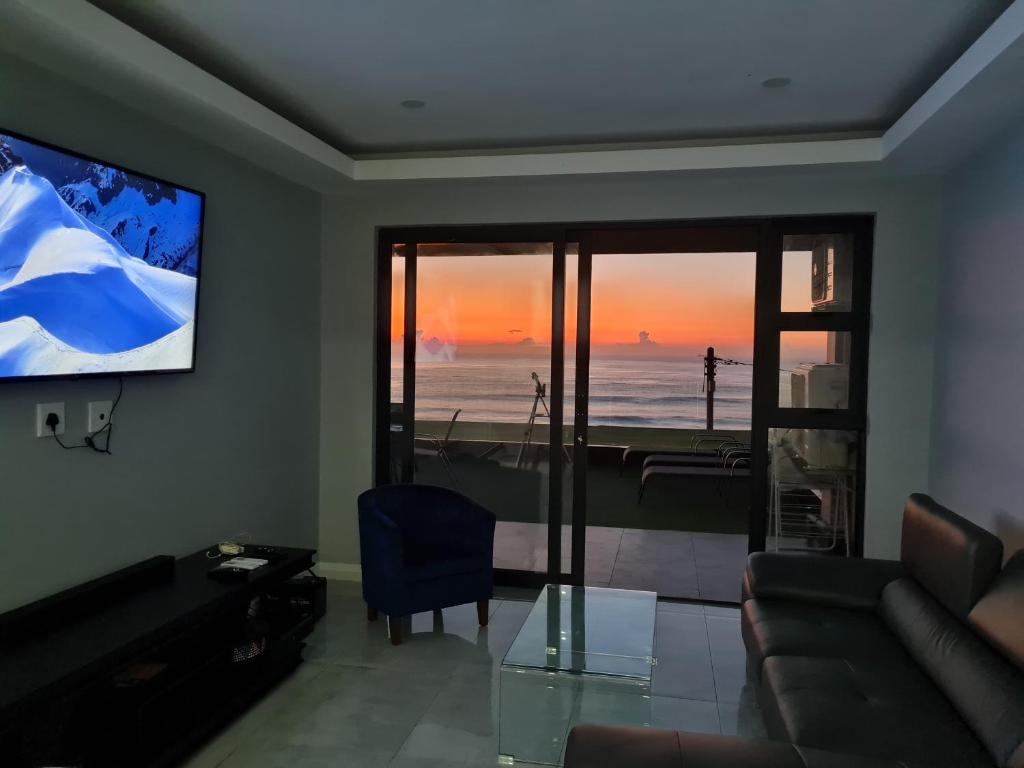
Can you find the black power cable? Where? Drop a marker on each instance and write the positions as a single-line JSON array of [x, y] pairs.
[[90, 439], [61, 443], [108, 428]]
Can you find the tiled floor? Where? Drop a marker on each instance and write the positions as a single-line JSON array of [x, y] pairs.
[[433, 701], [695, 566]]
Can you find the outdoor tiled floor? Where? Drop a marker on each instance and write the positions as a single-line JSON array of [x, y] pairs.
[[694, 566]]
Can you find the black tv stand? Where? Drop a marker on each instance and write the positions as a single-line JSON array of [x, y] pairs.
[[141, 666]]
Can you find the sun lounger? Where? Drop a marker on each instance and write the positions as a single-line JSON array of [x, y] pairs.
[[676, 460], [739, 469], [702, 446]]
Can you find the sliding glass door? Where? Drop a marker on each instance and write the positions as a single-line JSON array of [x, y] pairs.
[[476, 384], [640, 406], [664, 416]]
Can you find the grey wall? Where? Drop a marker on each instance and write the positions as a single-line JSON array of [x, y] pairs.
[[978, 429], [197, 458], [903, 303]]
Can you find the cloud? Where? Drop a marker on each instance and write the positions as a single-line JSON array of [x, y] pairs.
[[527, 342], [645, 339]]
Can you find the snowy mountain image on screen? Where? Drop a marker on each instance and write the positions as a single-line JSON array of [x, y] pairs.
[[73, 297], [145, 217]]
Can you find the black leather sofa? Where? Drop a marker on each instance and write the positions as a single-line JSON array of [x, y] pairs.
[[867, 663]]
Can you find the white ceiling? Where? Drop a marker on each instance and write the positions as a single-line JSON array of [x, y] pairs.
[[521, 73]]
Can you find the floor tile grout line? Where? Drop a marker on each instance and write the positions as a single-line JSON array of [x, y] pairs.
[[618, 552], [696, 569], [426, 709], [615, 561], [714, 676], [498, 603], [684, 698]]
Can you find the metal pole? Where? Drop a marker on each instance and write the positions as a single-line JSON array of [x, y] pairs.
[[709, 375]]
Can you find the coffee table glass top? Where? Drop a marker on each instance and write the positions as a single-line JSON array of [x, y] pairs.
[[588, 631]]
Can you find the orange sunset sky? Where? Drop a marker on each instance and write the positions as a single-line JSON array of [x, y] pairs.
[[679, 301]]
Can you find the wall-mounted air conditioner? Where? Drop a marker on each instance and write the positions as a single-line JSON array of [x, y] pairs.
[[821, 385], [831, 275], [824, 385]]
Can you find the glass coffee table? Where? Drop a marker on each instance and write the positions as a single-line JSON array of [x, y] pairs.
[[584, 655]]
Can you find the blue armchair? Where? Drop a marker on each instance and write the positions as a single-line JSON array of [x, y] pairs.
[[423, 548]]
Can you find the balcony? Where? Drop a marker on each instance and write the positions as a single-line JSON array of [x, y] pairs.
[[686, 537]]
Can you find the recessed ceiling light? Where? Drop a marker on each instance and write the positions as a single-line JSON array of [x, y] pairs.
[[776, 82], [414, 104]]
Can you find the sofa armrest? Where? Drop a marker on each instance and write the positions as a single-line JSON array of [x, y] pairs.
[[601, 746], [836, 581]]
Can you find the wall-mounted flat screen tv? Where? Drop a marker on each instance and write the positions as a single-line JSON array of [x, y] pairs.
[[99, 266]]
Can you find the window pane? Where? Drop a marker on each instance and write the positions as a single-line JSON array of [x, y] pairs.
[[814, 369], [572, 269], [653, 318], [817, 273], [397, 322], [400, 448], [812, 500], [483, 385], [668, 472]]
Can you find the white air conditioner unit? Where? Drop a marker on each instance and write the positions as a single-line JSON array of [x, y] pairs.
[[831, 275], [822, 385], [826, 385], [823, 274]]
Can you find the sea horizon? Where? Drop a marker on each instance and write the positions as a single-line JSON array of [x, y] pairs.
[[627, 392]]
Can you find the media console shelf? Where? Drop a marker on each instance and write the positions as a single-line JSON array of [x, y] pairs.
[[139, 667]]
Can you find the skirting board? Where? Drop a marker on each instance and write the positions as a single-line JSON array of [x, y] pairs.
[[339, 571]]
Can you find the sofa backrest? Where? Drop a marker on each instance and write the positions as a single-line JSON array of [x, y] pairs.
[[985, 688], [951, 557], [999, 615], [426, 513]]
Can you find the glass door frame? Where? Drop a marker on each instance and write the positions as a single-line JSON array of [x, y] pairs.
[[764, 233], [409, 239]]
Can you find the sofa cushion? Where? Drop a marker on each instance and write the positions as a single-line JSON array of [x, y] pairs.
[[881, 708], [951, 557], [999, 615], [780, 627], [986, 689]]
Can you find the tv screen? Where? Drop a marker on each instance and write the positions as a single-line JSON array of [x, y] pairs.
[[99, 266]]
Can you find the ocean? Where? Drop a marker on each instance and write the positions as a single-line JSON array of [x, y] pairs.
[[637, 392]]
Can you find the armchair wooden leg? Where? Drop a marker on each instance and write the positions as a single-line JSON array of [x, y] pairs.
[[371, 613], [395, 629], [483, 609]]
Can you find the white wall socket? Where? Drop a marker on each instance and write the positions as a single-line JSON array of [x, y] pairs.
[[99, 414], [45, 409]]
